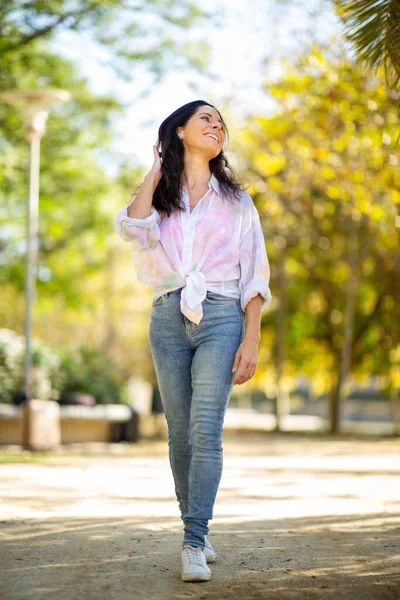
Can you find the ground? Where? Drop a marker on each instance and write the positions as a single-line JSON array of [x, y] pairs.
[[296, 516]]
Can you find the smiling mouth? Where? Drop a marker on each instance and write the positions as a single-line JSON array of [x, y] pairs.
[[212, 137]]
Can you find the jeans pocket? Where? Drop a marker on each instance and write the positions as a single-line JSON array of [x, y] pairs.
[[158, 301], [214, 298]]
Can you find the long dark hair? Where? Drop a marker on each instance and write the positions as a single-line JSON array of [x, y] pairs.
[[167, 195]]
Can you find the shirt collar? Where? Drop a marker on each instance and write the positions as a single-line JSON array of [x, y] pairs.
[[214, 183]]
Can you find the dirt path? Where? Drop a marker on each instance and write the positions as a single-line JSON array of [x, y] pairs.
[[295, 517]]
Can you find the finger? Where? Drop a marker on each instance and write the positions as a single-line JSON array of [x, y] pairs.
[[156, 153], [246, 372], [236, 361], [248, 375], [251, 369], [251, 373], [239, 377]]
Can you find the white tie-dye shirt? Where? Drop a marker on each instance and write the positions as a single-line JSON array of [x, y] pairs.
[[218, 247]]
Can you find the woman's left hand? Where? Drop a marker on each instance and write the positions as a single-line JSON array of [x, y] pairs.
[[247, 356]]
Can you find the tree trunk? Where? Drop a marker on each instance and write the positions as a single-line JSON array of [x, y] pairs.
[[109, 294], [394, 405], [282, 404], [335, 395]]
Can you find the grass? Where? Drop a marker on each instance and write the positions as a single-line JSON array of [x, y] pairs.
[[25, 457]]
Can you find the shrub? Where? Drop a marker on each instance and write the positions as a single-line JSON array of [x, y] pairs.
[[80, 369], [45, 367], [88, 370]]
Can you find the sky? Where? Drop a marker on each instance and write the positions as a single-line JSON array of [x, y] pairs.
[[241, 38]]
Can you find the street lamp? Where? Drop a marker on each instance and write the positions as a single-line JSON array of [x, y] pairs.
[[32, 104]]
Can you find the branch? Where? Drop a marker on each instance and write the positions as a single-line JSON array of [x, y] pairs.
[[24, 40]]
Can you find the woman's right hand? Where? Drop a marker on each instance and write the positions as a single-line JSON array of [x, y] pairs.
[[156, 168]]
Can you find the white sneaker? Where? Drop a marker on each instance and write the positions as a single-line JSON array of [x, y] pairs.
[[194, 565], [209, 551]]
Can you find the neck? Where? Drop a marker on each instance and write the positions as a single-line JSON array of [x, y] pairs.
[[196, 171]]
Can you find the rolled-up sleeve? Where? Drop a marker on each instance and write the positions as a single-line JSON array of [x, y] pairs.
[[144, 233], [253, 260]]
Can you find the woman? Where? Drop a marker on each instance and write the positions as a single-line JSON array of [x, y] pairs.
[[197, 243]]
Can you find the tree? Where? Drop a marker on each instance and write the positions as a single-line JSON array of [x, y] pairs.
[[77, 197], [72, 181], [373, 27], [325, 178], [131, 32]]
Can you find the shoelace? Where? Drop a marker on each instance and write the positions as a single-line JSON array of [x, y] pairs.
[[194, 556]]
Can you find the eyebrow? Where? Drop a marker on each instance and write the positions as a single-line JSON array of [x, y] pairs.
[[210, 115]]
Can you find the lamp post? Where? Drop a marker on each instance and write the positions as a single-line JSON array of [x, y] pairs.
[[32, 104]]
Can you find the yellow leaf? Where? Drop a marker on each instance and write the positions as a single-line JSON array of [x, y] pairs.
[[377, 213], [333, 192], [269, 165]]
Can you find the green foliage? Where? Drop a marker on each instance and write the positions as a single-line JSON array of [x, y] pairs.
[[77, 369], [324, 174], [129, 32], [45, 367], [373, 27], [74, 190], [11, 364], [88, 370]]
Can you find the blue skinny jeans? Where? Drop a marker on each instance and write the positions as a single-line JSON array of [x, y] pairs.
[[193, 365]]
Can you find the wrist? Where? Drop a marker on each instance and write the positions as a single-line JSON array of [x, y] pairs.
[[153, 177], [252, 336]]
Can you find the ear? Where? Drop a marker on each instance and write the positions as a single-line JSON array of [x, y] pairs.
[[179, 133]]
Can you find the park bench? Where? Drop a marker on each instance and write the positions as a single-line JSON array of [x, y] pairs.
[[75, 423]]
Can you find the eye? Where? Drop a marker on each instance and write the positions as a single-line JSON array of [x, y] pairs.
[[206, 117]]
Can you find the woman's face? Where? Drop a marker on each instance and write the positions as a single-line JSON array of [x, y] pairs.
[[204, 131]]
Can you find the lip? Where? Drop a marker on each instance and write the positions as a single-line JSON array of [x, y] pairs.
[[209, 135]]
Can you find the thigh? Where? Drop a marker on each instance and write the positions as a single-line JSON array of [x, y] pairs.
[[218, 339], [172, 358]]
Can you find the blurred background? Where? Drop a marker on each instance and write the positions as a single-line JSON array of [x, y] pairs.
[[309, 91]]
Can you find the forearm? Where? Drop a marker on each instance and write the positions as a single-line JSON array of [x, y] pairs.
[[141, 207], [253, 318]]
